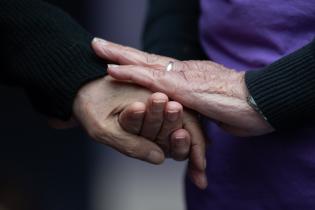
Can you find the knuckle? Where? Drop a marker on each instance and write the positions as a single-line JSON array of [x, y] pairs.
[[131, 150], [182, 66]]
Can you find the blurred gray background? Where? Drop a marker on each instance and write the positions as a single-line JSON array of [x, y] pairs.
[[120, 182], [60, 170]]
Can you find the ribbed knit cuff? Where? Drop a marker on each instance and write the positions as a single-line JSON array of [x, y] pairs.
[[67, 68], [285, 90]]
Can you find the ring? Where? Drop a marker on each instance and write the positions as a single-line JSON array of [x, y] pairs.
[[170, 66]]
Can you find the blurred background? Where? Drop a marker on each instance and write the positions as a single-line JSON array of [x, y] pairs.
[[46, 169]]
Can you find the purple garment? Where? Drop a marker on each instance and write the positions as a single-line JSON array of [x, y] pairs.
[[272, 172]]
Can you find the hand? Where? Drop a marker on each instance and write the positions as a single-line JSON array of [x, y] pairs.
[[160, 121], [97, 108], [209, 88], [167, 130], [114, 113]]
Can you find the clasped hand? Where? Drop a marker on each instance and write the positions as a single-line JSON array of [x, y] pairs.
[[140, 124], [147, 126], [211, 89]]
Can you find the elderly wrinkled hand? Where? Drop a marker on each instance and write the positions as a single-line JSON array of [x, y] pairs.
[[207, 87]]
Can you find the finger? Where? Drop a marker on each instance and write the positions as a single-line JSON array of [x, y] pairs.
[[154, 116], [197, 158], [180, 144], [131, 118], [173, 84], [173, 120], [148, 77], [126, 55], [199, 178], [129, 144]]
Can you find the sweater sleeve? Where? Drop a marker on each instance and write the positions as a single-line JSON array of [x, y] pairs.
[[285, 90], [47, 53], [171, 29]]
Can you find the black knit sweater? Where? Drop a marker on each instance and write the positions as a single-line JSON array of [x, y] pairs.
[[47, 53], [284, 90]]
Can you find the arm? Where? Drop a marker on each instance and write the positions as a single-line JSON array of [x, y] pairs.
[[287, 100], [285, 90], [47, 53], [171, 29], [204, 86]]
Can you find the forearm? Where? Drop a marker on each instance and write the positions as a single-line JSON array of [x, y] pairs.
[[285, 90], [172, 29], [47, 53]]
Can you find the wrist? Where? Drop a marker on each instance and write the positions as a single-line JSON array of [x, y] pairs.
[[239, 89], [250, 101]]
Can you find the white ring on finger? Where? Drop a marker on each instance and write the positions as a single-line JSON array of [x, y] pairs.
[[170, 66]]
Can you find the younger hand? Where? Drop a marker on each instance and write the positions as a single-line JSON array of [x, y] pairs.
[[115, 114]]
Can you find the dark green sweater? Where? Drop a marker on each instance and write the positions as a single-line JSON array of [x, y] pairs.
[[284, 90]]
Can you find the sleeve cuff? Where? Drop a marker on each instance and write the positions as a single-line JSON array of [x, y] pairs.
[[66, 70], [285, 90]]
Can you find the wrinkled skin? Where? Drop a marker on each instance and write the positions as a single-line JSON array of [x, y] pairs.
[[207, 87]]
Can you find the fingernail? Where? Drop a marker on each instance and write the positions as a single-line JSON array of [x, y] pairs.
[[205, 163], [100, 41], [180, 142], [138, 115], [155, 157], [112, 66], [158, 105], [172, 116]]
